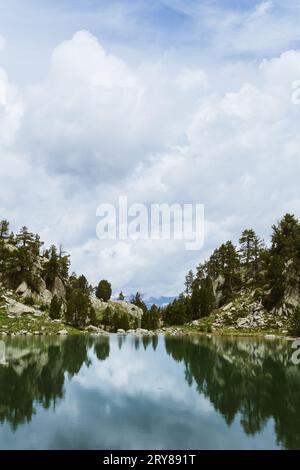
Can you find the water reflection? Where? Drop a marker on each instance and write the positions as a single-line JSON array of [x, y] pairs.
[[254, 378], [149, 392], [35, 371]]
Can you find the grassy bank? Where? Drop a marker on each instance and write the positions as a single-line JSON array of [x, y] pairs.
[[33, 325], [43, 325]]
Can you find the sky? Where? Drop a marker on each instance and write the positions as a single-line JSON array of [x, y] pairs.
[[163, 101]]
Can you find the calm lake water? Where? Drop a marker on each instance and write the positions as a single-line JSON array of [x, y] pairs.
[[148, 393]]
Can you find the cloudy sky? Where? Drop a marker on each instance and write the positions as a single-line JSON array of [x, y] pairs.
[[168, 101]]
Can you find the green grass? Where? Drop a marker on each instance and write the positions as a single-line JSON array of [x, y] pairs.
[[33, 324], [205, 326]]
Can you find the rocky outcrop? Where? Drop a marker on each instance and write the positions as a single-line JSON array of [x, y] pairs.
[[134, 313], [16, 309], [246, 312], [23, 290], [45, 297], [96, 331], [217, 284], [59, 289]]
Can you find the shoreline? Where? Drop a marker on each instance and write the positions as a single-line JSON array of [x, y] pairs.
[[40, 326], [169, 332]]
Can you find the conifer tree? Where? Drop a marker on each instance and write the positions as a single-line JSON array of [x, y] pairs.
[[137, 300], [55, 308], [251, 248], [286, 238], [103, 290], [25, 238], [78, 305], [121, 296], [51, 267], [4, 229], [189, 279]]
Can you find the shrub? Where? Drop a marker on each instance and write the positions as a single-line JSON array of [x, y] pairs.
[[295, 323], [55, 308], [29, 301]]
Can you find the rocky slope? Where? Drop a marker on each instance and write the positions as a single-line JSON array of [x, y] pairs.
[[31, 277], [17, 318], [247, 314], [133, 312]]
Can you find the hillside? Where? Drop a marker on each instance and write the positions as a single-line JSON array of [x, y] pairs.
[[39, 296], [247, 288]]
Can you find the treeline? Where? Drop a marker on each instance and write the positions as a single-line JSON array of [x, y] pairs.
[[151, 319], [20, 260], [78, 308], [270, 271], [273, 272], [23, 259]]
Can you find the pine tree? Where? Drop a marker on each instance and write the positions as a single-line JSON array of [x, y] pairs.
[[4, 229], [120, 321], [276, 280], [82, 284], [78, 304], [150, 318], [36, 246], [286, 238], [285, 249], [195, 301], [107, 317], [154, 316], [103, 290], [177, 313], [92, 316], [137, 300], [51, 267], [64, 263], [207, 297], [55, 308], [225, 262], [251, 248], [202, 299], [201, 272], [121, 296], [25, 238], [189, 279]]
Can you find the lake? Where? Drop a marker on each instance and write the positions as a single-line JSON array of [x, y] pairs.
[[126, 392]]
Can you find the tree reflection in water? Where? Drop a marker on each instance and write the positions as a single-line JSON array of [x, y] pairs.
[[35, 372], [254, 378]]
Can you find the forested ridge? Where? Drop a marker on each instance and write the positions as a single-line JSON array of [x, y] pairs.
[[265, 277], [247, 286], [35, 279]]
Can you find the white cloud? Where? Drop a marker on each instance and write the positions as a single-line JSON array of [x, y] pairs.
[[263, 8], [192, 79], [96, 109], [99, 126], [11, 110], [115, 374]]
